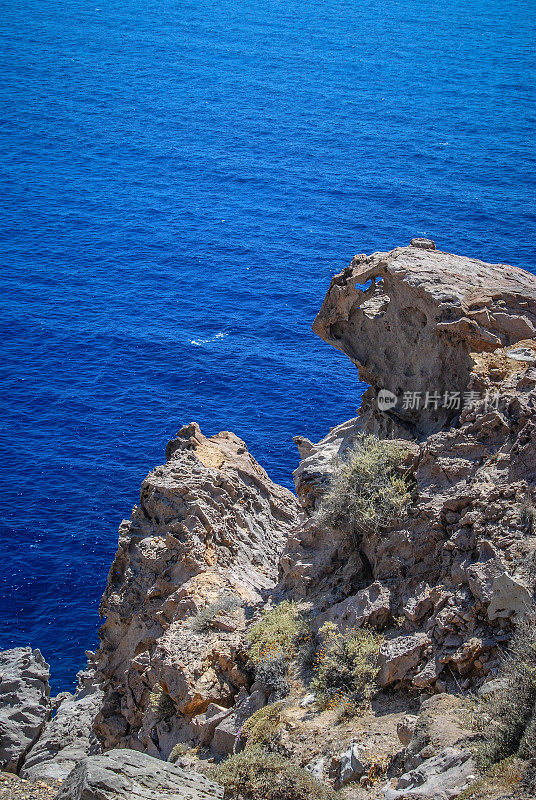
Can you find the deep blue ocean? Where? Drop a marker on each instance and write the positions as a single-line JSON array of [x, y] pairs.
[[180, 180]]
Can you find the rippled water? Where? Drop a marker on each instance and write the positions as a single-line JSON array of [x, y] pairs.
[[180, 180]]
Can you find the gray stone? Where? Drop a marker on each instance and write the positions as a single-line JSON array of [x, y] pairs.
[[204, 725], [352, 765], [24, 703], [226, 733], [441, 777], [399, 656], [405, 728], [510, 598], [68, 736], [130, 775]]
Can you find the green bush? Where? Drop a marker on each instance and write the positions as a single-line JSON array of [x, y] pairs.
[[366, 491], [263, 727], [281, 631], [507, 717], [256, 774], [345, 667], [204, 620]]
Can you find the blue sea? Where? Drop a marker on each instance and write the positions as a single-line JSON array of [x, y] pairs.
[[180, 181]]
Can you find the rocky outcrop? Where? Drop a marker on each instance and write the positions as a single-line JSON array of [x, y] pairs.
[[210, 524], [24, 703], [68, 736], [128, 775], [411, 318], [457, 569]]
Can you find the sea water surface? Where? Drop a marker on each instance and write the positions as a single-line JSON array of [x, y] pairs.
[[180, 180]]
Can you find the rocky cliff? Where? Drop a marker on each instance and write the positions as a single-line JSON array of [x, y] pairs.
[[210, 523], [448, 347]]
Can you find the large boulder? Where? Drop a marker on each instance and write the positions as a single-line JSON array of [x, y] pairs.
[[24, 703], [130, 775], [399, 656], [411, 318]]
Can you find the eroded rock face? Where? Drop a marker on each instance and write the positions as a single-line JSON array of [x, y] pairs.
[[457, 568], [417, 321], [128, 775], [68, 736], [24, 703], [209, 522]]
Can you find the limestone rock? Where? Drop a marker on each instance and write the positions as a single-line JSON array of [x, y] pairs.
[[227, 732], [24, 703], [209, 523], [410, 318], [203, 726], [130, 775], [399, 656], [510, 599], [68, 736], [370, 606]]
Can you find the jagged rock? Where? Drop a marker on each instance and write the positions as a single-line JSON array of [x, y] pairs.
[[441, 777], [130, 775], [203, 726], [227, 732], [370, 606], [399, 656], [469, 467], [209, 522], [68, 736], [405, 728], [419, 318], [24, 703], [510, 599], [352, 765]]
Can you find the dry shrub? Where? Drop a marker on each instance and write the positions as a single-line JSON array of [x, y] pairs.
[[345, 667], [367, 492], [507, 717], [256, 774], [280, 632], [226, 602]]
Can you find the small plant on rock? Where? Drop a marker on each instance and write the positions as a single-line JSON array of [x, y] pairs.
[[204, 619], [161, 703], [280, 632], [256, 774], [345, 667], [507, 717], [271, 672], [263, 727], [367, 492]]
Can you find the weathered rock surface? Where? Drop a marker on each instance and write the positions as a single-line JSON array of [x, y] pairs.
[[457, 568], [129, 775], [441, 777], [68, 736], [24, 703], [210, 521], [419, 317]]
